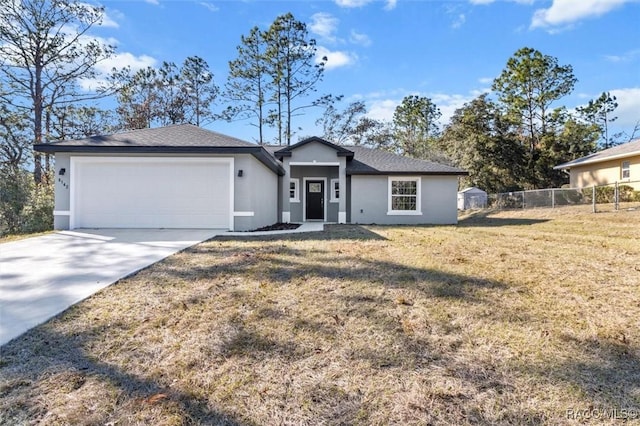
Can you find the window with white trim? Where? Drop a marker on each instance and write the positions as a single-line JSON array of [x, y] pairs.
[[626, 170], [404, 195], [294, 190], [335, 190]]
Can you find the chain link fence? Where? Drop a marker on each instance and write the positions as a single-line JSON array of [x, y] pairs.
[[615, 196]]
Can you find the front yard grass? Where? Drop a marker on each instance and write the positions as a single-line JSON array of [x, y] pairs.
[[522, 317]]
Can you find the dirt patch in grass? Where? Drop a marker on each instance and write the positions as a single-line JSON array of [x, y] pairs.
[[510, 318]]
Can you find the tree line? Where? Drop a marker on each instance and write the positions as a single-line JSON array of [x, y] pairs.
[[508, 139]]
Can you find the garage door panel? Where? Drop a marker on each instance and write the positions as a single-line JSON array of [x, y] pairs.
[[152, 193]]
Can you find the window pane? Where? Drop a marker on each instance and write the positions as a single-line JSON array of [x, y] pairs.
[[404, 187], [292, 189], [403, 203]]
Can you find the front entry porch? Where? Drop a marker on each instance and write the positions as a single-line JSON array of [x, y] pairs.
[[314, 194]]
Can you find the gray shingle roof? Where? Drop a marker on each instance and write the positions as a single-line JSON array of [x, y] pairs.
[[180, 135], [287, 150], [621, 151], [181, 138], [375, 161], [187, 138]]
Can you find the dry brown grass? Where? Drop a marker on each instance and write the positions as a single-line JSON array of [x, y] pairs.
[[510, 318]]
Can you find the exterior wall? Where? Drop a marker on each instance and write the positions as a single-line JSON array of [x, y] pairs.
[[62, 188], [256, 202], [301, 172], [310, 154], [370, 198], [606, 172], [255, 193], [314, 152]]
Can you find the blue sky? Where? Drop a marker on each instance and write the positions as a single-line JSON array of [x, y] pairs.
[[381, 51]]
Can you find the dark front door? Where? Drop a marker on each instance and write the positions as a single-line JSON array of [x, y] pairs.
[[314, 196]]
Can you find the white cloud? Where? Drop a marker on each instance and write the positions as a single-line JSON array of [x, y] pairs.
[[486, 80], [383, 109], [210, 6], [391, 4], [154, 2], [492, 1], [335, 59], [566, 12], [108, 21], [126, 59], [448, 104], [325, 25], [625, 57], [352, 3], [359, 38], [628, 111], [119, 60], [459, 21]]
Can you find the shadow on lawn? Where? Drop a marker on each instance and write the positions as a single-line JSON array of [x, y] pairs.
[[280, 264], [42, 353], [483, 218], [607, 372]]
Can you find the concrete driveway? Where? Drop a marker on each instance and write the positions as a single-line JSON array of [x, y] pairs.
[[42, 276]]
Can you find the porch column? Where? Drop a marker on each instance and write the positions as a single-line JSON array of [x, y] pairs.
[[342, 201], [286, 205]]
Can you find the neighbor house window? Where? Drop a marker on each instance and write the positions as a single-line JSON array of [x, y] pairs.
[[626, 170], [335, 190], [294, 193], [404, 195]]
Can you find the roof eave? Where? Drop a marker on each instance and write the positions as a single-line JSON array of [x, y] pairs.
[[408, 173], [570, 164], [257, 151]]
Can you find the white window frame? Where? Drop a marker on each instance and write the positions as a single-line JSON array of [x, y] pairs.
[[418, 210], [296, 190], [333, 188], [624, 169]]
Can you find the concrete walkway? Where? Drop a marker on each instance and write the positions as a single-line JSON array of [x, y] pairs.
[[42, 276]]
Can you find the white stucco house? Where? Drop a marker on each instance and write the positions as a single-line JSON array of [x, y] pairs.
[[184, 176]]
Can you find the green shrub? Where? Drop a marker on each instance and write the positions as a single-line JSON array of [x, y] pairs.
[[38, 213], [24, 205], [606, 194], [626, 193]]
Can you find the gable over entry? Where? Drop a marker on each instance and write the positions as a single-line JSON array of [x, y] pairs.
[[315, 181]]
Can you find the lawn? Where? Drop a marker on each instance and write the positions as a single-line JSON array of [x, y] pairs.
[[510, 318]]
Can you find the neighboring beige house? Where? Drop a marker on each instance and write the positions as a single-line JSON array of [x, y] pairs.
[[618, 164]]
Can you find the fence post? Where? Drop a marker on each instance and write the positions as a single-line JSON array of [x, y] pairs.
[[616, 197], [523, 204], [553, 198], [593, 198]]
